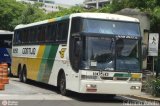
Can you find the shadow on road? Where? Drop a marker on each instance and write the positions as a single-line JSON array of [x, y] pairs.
[[40, 85], [77, 96], [95, 98]]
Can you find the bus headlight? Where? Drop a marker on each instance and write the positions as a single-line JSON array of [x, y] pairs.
[[83, 77], [135, 87]]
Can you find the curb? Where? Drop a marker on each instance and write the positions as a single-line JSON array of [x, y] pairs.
[[146, 98]]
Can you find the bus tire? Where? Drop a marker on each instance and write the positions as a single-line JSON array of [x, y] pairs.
[[24, 74], [20, 73], [10, 72], [62, 84]]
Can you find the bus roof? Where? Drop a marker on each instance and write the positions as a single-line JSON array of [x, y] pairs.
[[41, 22], [106, 16], [4, 32]]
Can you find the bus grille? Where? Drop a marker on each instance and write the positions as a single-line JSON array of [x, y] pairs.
[[107, 78], [114, 78]]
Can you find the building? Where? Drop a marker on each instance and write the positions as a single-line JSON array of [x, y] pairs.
[[48, 5], [96, 3]]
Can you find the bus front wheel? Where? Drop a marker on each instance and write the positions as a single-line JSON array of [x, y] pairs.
[[62, 84]]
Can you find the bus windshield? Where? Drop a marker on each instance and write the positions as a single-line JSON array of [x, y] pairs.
[[98, 53], [102, 53], [127, 55], [108, 45]]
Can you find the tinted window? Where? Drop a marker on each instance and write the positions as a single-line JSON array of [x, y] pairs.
[[16, 37], [24, 36], [76, 25], [32, 35], [40, 34], [62, 31], [50, 33]]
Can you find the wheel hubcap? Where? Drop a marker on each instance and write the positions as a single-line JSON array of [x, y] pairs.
[[24, 77], [62, 85]]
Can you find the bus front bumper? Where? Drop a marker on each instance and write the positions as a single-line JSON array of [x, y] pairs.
[[110, 87]]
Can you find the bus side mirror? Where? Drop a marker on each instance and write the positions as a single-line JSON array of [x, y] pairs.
[[78, 51], [78, 48]]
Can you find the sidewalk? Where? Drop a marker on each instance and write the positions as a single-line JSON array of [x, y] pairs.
[[146, 96]]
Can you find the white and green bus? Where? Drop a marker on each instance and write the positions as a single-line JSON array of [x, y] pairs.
[[88, 53]]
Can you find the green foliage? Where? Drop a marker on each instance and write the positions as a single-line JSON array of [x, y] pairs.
[[76, 9], [31, 14], [118, 5], [153, 86], [13, 13], [9, 10], [105, 9], [152, 7], [38, 4]]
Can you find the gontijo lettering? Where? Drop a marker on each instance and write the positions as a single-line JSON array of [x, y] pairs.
[[31, 51]]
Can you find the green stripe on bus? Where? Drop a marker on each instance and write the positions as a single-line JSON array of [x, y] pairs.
[[43, 63], [62, 18], [49, 63], [122, 75]]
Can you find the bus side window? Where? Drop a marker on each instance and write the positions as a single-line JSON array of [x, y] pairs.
[[46, 33], [32, 35], [29, 35], [41, 34], [19, 37], [24, 36], [62, 31], [35, 36], [16, 37], [76, 25], [51, 33]]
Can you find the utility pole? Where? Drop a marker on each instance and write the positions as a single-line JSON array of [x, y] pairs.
[[97, 4]]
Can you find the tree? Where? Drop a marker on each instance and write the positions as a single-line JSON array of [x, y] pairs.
[[64, 11], [31, 14], [9, 11], [13, 13], [152, 7]]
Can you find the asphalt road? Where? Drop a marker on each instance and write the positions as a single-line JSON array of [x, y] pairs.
[[38, 94]]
